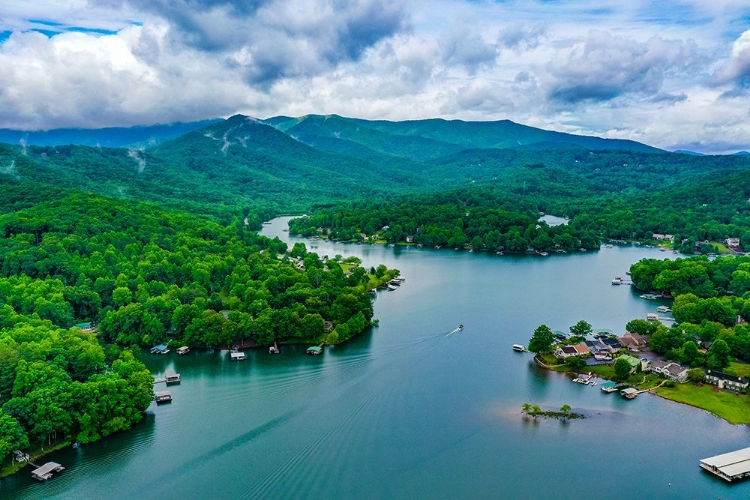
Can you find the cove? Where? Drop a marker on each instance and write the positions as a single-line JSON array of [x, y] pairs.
[[407, 410]]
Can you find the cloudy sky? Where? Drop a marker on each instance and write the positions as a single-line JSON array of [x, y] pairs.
[[670, 73]]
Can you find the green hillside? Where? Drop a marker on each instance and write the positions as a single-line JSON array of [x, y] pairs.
[[423, 140]]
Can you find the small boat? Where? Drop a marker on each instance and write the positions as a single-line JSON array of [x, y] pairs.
[[652, 317], [617, 280], [663, 309], [274, 349], [649, 296], [519, 348], [460, 327]]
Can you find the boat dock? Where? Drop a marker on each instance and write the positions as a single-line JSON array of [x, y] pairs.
[[162, 397], [46, 471], [237, 356], [315, 350], [172, 378], [729, 466], [160, 349], [183, 350]]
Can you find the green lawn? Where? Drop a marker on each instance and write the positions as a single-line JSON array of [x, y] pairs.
[[741, 369], [733, 408]]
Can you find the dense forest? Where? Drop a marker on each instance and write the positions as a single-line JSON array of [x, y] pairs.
[[144, 275], [439, 220], [711, 306]]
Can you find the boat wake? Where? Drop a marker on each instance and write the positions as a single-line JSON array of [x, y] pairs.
[[455, 331]]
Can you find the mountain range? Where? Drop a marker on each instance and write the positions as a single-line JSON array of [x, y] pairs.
[[292, 164]]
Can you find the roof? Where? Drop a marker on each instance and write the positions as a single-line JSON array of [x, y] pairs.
[[581, 349], [608, 384], [732, 464], [659, 363], [724, 376], [160, 347], [82, 326], [569, 349], [631, 360], [46, 468], [675, 369], [314, 349]]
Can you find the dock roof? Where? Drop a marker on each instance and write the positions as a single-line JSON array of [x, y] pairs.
[[46, 468], [734, 464]]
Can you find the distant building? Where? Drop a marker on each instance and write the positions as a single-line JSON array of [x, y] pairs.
[[724, 381]]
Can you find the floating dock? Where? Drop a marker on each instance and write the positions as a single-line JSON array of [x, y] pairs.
[[237, 356], [729, 466], [315, 350], [162, 397], [172, 378], [46, 471], [160, 349], [183, 350]]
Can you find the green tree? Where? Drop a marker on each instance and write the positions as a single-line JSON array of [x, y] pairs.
[[718, 355], [696, 375], [542, 340], [622, 369], [12, 436], [581, 329], [565, 410]]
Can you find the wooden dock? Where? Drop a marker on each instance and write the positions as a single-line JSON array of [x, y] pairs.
[[46, 471]]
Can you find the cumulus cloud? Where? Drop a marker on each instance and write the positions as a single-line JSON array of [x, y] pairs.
[[272, 39], [737, 68], [604, 67], [672, 77]]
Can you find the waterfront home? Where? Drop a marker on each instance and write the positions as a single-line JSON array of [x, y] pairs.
[[599, 346], [566, 352], [724, 381], [581, 349], [670, 370], [634, 363], [633, 341]]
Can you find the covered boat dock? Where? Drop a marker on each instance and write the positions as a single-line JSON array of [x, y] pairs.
[[729, 466], [46, 471]]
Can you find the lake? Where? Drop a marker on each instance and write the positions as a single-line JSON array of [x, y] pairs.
[[408, 410]]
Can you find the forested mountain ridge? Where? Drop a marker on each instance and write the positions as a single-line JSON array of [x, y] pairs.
[[422, 140]]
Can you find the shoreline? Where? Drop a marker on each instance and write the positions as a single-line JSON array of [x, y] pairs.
[[699, 389]]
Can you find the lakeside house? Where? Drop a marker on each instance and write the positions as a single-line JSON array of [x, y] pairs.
[[669, 369], [633, 341], [725, 381], [87, 327], [634, 363], [566, 352]]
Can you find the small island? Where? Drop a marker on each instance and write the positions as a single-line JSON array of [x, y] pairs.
[[563, 413]]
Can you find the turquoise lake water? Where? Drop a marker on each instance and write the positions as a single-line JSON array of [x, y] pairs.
[[408, 410]]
